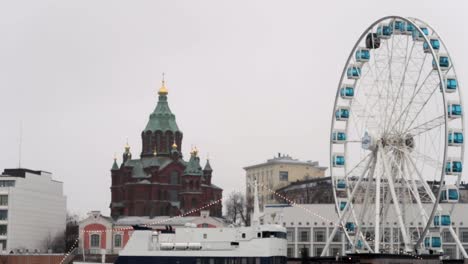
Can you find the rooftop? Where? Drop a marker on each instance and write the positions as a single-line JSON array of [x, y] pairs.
[[286, 159], [300, 184], [21, 172]]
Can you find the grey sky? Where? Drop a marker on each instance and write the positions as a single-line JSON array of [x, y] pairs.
[[246, 79]]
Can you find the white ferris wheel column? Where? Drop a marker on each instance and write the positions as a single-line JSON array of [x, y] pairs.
[[346, 209], [377, 214], [396, 203]]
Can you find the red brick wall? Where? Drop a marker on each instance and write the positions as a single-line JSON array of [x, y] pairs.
[[31, 259], [89, 229]]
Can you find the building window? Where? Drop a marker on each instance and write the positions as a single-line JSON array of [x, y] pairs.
[[95, 240], [118, 240], [447, 236], [304, 235], [3, 230], [205, 236], [290, 234], [318, 251], [283, 176], [243, 235], [338, 236], [3, 244], [3, 214], [303, 251], [3, 199], [335, 251], [205, 225], [450, 251], [174, 177], [319, 235], [194, 203], [173, 195], [7, 183], [464, 235], [290, 252]]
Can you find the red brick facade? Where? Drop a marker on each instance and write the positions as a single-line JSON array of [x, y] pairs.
[[161, 183]]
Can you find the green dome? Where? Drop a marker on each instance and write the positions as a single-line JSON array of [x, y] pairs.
[[162, 118]]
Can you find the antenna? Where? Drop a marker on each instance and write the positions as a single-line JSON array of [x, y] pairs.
[[20, 144], [256, 210]]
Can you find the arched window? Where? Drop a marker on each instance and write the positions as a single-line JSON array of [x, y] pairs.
[[191, 185], [174, 177], [194, 203], [95, 241], [158, 141], [149, 142], [168, 210], [170, 140], [118, 240]]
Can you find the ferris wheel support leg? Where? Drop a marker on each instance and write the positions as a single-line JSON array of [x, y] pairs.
[[366, 201], [396, 203], [423, 181], [345, 210], [377, 214], [415, 189], [459, 244]]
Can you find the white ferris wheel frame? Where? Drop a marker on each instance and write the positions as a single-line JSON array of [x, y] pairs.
[[436, 198]]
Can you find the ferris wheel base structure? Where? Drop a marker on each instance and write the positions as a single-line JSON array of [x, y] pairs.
[[397, 140], [378, 258]]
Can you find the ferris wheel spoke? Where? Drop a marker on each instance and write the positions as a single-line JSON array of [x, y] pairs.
[[389, 83], [400, 88], [424, 104], [425, 158], [360, 164], [411, 187], [410, 103], [363, 210], [346, 207], [427, 126], [422, 180]]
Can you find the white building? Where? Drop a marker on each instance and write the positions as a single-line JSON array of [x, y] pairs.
[[309, 226], [32, 210]]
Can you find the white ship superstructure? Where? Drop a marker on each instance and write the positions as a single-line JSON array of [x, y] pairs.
[[259, 244]]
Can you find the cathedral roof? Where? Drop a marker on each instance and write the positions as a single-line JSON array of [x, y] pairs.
[[193, 166], [138, 165], [162, 119], [207, 166], [115, 166]]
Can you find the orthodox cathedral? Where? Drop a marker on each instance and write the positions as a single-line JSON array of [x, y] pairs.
[[161, 182]]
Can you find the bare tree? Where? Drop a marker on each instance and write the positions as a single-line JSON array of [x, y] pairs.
[[55, 243], [236, 209], [71, 231], [63, 241]]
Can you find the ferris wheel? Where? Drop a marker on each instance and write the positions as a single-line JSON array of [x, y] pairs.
[[396, 147]]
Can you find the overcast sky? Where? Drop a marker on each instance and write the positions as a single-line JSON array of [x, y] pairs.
[[246, 79]]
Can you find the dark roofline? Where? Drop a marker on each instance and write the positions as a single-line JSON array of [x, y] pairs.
[[21, 172], [317, 179], [313, 164]]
